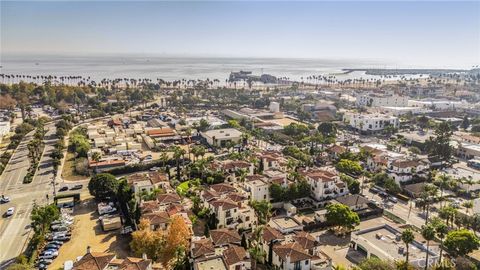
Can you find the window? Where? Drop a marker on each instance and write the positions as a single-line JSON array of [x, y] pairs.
[[306, 262], [297, 266]]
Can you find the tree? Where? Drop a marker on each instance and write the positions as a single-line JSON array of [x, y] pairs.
[[178, 235], [340, 216], [440, 145], [203, 125], [461, 242], [443, 181], [428, 232], [407, 238], [103, 185], [96, 156], [327, 129], [465, 122], [146, 241], [349, 167], [374, 263], [43, 216], [441, 230], [352, 183], [263, 209]]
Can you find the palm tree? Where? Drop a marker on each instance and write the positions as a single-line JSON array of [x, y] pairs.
[[441, 230], [429, 191], [177, 154], [256, 251], [428, 232], [443, 181], [407, 238]]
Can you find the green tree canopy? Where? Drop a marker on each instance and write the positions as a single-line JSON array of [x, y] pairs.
[[349, 167], [341, 216], [103, 185], [461, 242]]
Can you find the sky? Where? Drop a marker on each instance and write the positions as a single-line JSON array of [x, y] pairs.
[[427, 33]]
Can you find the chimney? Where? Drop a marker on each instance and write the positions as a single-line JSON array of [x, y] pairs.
[[88, 249], [144, 256]]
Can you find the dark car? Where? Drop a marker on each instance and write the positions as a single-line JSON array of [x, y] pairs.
[[76, 187], [383, 194], [65, 188], [374, 190]]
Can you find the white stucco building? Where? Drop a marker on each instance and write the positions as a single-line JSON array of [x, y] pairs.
[[381, 100], [370, 122]]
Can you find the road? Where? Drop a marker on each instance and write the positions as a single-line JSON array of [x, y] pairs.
[[15, 230], [407, 212]]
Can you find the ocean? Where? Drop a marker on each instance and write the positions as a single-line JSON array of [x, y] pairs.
[[177, 68]]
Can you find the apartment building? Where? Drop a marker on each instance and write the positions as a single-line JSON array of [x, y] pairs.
[[370, 123]]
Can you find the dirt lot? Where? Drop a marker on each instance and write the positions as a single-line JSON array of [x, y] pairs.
[[68, 171], [87, 231]]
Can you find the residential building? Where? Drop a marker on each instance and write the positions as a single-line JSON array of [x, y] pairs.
[[324, 183], [291, 256], [258, 189], [402, 170], [370, 123]]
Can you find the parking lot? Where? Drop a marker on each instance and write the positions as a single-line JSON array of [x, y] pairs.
[[87, 231]]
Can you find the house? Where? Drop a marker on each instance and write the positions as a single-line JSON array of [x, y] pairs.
[[273, 160], [147, 182], [324, 183], [414, 190], [237, 258], [106, 261], [106, 165], [270, 236], [232, 215], [209, 263], [335, 151], [402, 170], [258, 189], [167, 199], [234, 170], [221, 137], [291, 256], [201, 248], [158, 220], [355, 202], [224, 237]]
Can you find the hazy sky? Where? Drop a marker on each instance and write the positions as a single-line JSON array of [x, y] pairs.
[[413, 33]]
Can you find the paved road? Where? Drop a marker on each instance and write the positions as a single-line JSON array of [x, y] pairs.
[[14, 230], [405, 211]]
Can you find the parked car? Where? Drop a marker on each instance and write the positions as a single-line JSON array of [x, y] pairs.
[[46, 256], [10, 211], [75, 187], [57, 243], [393, 199], [4, 199], [60, 228], [374, 190], [383, 194], [49, 252], [62, 238], [64, 188]]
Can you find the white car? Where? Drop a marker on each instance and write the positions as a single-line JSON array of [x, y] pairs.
[[10, 211], [4, 199]]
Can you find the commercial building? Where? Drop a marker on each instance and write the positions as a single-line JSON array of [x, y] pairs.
[[220, 137], [381, 100], [385, 242]]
